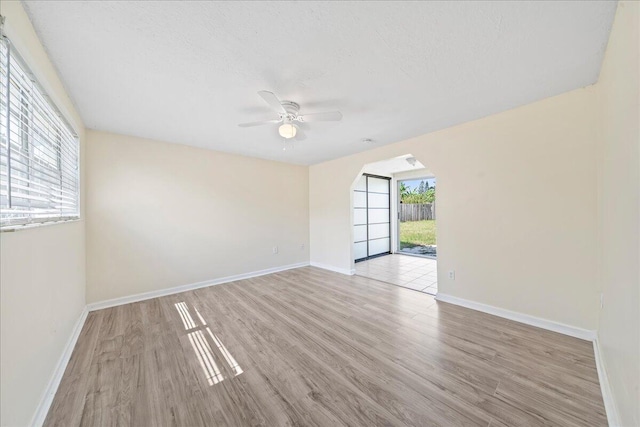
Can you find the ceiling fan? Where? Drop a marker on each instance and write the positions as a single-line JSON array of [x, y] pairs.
[[289, 117]]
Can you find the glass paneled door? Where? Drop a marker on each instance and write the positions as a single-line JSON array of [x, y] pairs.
[[371, 217]]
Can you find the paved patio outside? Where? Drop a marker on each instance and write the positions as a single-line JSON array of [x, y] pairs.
[[417, 273]]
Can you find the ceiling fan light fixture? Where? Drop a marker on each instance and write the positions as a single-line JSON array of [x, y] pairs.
[[288, 115], [287, 130]]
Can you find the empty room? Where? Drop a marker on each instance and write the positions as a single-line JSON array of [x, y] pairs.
[[319, 213]]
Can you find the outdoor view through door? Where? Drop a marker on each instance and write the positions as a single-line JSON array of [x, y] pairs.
[[371, 217], [417, 216]]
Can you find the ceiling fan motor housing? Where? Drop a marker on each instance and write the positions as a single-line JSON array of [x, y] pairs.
[[291, 107]]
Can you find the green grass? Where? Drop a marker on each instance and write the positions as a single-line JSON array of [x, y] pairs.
[[417, 233]]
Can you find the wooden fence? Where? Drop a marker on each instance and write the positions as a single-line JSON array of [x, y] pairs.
[[417, 212]]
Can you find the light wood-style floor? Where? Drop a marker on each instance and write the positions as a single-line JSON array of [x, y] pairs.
[[311, 347]]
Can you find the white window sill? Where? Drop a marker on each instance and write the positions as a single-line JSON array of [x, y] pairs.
[[12, 228]]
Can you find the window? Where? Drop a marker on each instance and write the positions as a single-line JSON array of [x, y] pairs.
[[39, 151]]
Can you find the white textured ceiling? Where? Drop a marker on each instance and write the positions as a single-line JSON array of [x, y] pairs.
[[188, 72]]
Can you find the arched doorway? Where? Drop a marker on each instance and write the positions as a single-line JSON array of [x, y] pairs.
[[392, 243]]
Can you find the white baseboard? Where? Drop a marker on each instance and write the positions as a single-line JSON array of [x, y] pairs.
[[550, 325], [176, 290], [605, 387], [54, 382], [332, 268]]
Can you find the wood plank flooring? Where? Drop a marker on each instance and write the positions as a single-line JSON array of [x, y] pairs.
[[308, 347]]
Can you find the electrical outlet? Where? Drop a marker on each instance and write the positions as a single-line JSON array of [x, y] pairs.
[[275, 249], [302, 247], [452, 275]]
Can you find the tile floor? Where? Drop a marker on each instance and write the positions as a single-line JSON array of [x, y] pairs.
[[417, 273]]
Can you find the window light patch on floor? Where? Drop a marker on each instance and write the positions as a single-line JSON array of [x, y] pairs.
[[202, 348]]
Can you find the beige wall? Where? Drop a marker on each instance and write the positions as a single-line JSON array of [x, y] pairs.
[[164, 215], [619, 151], [42, 269], [516, 207]]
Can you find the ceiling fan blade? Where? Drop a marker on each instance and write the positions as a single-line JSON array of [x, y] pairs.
[[329, 116], [263, 122], [273, 101]]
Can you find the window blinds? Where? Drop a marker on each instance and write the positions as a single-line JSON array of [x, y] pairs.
[[39, 170]]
